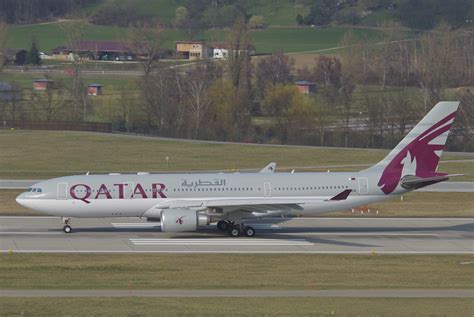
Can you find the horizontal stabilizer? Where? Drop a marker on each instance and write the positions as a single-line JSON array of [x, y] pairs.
[[342, 195], [270, 168], [415, 182]]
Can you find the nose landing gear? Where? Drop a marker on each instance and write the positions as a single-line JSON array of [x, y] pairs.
[[67, 228]]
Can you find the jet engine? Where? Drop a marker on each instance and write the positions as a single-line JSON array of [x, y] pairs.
[[178, 220]]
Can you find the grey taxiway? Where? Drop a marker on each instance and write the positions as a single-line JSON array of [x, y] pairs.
[[297, 235]]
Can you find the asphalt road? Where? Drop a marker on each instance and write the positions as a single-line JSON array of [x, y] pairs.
[[297, 235], [412, 293], [464, 187]]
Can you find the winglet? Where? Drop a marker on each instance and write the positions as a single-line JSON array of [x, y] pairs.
[[342, 195], [270, 168]]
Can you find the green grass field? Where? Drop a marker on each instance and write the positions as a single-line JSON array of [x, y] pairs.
[[288, 39], [25, 80], [215, 271], [237, 306], [102, 153]]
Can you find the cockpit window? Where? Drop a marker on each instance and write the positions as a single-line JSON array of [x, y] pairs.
[[35, 190], [29, 189], [39, 190]]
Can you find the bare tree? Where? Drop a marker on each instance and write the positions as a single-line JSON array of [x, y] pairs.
[[198, 104], [75, 32], [346, 104], [50, 102], [3, 43], [145, 43], [238, 60], [272, 70]]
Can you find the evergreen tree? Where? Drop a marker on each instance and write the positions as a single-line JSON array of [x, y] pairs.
[[33, 55]]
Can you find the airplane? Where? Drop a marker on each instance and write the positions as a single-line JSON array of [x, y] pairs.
[[184, 202]]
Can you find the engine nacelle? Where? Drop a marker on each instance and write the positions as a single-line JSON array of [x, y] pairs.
[[178, 220]]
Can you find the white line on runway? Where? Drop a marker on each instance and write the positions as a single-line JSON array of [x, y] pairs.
[[370, 218], [135, 224], [374, 234], [239, 252], [224, 242], [28, 217], [264, 226], [26, 233]]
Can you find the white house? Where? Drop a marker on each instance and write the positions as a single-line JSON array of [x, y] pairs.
[[221, 50]]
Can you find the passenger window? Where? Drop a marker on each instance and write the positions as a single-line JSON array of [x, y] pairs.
[[39, 190]]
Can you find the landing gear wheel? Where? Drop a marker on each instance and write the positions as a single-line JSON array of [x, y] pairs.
[[234, 232], [67, 229], [249, 231], [222, 225]]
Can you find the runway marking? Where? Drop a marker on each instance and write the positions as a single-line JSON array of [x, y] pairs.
[[369, 252], [380, 218], [222, 242], [29, 217], [373, 234], [263, 226], [26, 233], [136, 225], [370, 293]]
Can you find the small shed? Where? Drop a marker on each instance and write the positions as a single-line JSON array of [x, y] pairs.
[[41, 84], [306, 87], [94, 89]]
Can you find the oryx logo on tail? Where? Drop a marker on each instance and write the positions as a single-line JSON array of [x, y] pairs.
[[419, 152]]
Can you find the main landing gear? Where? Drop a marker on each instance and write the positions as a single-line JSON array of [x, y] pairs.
[[235, 230], [67, 228]]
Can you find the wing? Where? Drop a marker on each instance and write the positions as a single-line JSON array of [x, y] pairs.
[[252, 205]]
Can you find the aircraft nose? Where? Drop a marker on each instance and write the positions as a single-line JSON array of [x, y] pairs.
[[21, 199]]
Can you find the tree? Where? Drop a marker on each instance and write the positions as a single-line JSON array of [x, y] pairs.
[[33, 54], [292, 110], [321, 13], [181, 17], [418, 14], [198, 104], [347, 87], [145, 43], [238, 60], [75, 32], [3, 43], [229, 118], [272, 70], [51, 103], [256, 22], [299, 19]]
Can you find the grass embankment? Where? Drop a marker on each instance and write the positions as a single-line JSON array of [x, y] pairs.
[[237, 306], [419, 204], [43, 154], [218, 271]]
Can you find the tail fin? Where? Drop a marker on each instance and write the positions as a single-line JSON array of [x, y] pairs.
[[419, 152]]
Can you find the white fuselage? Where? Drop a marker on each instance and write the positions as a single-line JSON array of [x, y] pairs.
[[138, 195]]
